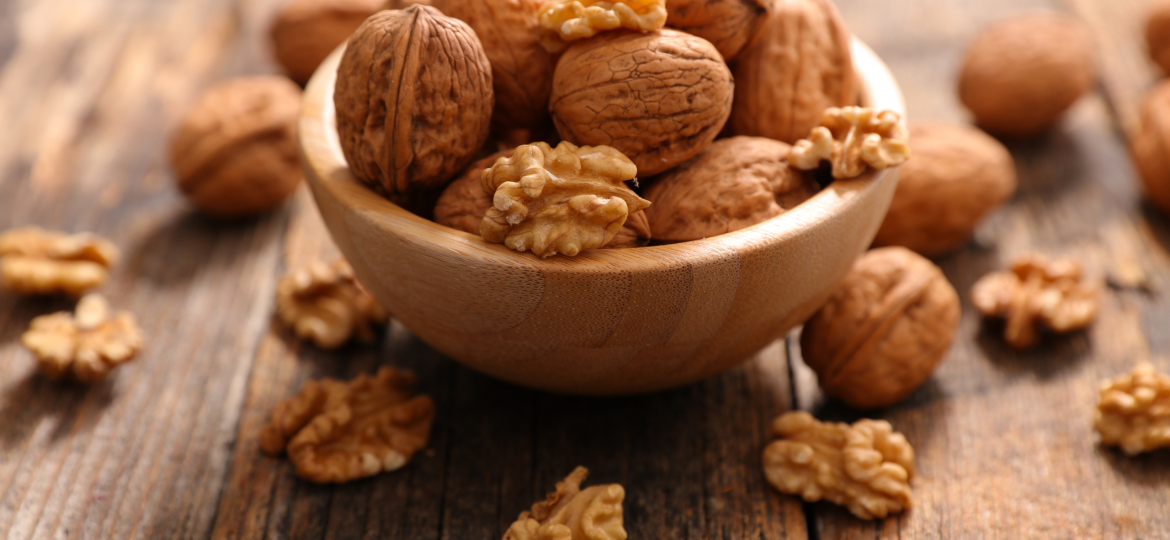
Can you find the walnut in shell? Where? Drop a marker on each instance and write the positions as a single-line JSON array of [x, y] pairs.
[[799, 66], [414, 99], [1150, 145], [884, 331], [1158, 33], [326, 304], [336, 431], [569, 513], [1134, 411], [565, 21], [1020, 75], [304, 32], [235, 151], [958, 175], [734, 183], [85, 345], [1037, 292], [659, 98], [852, 138], [561, 200], [36, 261], [729, 25], [865, 467]]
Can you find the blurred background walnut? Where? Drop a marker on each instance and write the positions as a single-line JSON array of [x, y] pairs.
[[958, 175], [85, 345], [326, 304], [570, 513], [1150, 145], [335, 431], [852, 138], [1158, 33], [659, 98], [884, 331], [1021, 74], [304, 32], [729, 25], [1037, 291], [36, 261], [564, 21], [235, 151], [1134, 411], [865, 467]]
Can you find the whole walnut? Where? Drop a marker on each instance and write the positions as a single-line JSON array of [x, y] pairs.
[[958, 175], [729, 25], [660, 97], [414, 99], [884, 331], [799, 66], [1150, 145], [235, 151], [304, 32], [1020, 75], [1158, 33], [734, 183]]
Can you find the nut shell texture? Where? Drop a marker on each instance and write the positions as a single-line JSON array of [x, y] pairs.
[[306, 31], [729, 25], [1150, 146], [1158, 33], [414, 99], [660, 98]]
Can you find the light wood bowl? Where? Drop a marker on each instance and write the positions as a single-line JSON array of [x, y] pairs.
[[614, 321]]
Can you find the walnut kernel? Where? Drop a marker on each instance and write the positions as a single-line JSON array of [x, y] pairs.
[[1150, 145], [1037, 291], [730, 25], [304, 32], [570, 20], [36, 261], [85, 345], [570, 513], [850, 138], [326, 304], [1134, 411]]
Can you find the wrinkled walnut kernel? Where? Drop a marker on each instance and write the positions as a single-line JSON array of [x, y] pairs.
[[337, 431], [572, 514], [850, 138], [85, 345], [561, 200], [1134, 412], [865, 467], [1037, 291], [571, 20], [326, 304], [36, 261]]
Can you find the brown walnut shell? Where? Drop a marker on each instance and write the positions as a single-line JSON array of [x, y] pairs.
[[729, 25], [884, 331], [414, 99], [1150, 146], [1158, 34], [659, 98], [306, 31], [799, 66], [957, 176]]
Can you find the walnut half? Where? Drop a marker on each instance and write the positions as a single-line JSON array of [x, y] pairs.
[[36, 261], [85, 345], [326, 304], [570, 513], [1134, 412], [850, 138], [1037, 291]]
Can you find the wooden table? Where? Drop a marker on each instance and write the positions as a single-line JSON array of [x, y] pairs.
[[167, 448]]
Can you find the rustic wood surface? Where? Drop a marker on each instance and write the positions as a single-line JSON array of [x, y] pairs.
[[167, 447]]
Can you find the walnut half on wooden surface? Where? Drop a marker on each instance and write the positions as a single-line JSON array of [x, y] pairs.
[[1037, 291], [852, 138], [85, 345], [571, 513], [326, 304], [1134, 411], [36, 261], [865, 467]]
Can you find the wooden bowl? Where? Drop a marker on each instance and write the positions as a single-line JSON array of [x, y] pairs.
[[608, 321]]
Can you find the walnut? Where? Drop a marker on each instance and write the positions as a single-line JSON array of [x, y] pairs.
[[570, 20], [36, 261], [659, 98], [326, 304], [1134, 412], [414, 99], [1038, 291], [865, 467], [850, 138], [1158, 33], [884, 330], [85, 346], [570, 513], [734, 183], [304, 32], [1150, 145], [799, 66], [561, 200], [958, 175], [1020, 75], [336, 431], [730, 25], [635, 232]]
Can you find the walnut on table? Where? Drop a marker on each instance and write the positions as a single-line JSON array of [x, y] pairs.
[[336, 431], [36, 261], [570, 513], [851, 138], [326, 304], [865, 467], [564, 21], [1037, 291], [1134, 412], [85, 345]]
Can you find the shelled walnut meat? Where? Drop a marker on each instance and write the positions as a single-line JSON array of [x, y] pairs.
[[958, 175], [865, 467], [336, 431], [659, 98], [1134, 411], [304, 32], [565, 21], [735, 183], [36, 261], [852, 139], [414, 100], [1158, 33], [884, 331], [326, 304], [84, 345], [1150, 145], [234, 153], [729, 25], [1037, 292], [571, 513], [799, 66]]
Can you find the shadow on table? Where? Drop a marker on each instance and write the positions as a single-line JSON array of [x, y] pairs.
[[1054, 356], [177, 250], [37, 398], [1151, 469]]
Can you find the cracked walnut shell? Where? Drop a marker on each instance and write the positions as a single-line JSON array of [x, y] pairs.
[[36, 261], [561, 200], [326, 304], [1134, 411], [414, 99], [659, 98], [884, 331], [565, 21], [1150, 145], [851, 138], [571, 513], [85, 345], [1037, 291], [304, 32], [335, 431], [730, 25]]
